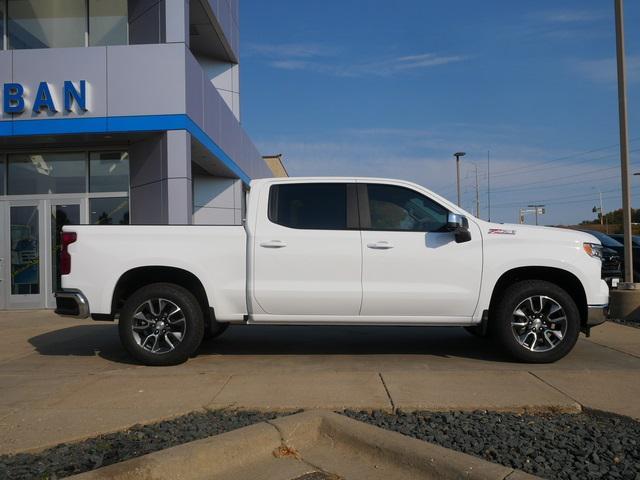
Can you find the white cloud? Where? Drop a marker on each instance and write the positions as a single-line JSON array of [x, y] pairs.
[[604, 70], [328, 61], [289, 50], [521, 173], [572, 16]]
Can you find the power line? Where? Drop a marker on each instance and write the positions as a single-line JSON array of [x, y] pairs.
[[553, 202], [529, 169]]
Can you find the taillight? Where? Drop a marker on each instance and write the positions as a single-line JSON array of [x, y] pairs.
[[66, 238]]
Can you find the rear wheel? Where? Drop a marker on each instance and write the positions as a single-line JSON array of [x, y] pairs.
[[161, 324], [536, 322]]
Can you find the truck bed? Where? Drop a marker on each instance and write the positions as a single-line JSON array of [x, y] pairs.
[[217, 255]]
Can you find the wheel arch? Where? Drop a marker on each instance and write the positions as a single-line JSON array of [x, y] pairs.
[[136, 278], [563, 278]]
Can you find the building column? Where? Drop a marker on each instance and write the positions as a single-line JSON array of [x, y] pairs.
[[179, 187], [160, 180]]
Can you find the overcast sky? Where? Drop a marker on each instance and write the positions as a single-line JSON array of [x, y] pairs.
[[393, 88]]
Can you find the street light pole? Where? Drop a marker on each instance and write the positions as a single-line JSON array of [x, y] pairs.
[[458, 155], [624, 142], [477, 192]]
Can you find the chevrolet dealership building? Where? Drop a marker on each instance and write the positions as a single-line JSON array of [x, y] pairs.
[[114, 112]]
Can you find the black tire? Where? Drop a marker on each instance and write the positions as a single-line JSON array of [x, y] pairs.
[[189, 321], [214, 330], [516, 295]]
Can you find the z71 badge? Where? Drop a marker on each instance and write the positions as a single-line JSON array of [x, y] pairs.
[[501, 231]]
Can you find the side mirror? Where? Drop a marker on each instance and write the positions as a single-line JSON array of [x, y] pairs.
[[459, 225]]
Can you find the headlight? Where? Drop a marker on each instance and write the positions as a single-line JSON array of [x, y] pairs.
[[593, 250]]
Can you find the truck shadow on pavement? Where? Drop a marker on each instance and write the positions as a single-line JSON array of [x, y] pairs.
[[102, 340]]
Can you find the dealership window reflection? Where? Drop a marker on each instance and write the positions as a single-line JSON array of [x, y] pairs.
[[46, 173], [63, 23], [2, 22], [3, 174], [108, 22], [109, 211], [46, 23], [25, 250], [109, 172]]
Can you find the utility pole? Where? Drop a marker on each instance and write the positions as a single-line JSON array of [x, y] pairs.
[[488, 185], [601, 210], [624, 143], [458, 155]]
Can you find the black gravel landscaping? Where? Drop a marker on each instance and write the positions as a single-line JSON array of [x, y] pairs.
[[69, 459], [582, 446], [590, 445]]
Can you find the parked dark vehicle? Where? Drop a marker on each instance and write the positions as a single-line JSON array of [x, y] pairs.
[[609, 241], [635, 239], [612, 271]]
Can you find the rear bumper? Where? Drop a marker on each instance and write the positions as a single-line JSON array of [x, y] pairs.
[[72, 303], [597, 314]]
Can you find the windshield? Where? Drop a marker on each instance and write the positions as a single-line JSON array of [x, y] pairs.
[[606, 240]]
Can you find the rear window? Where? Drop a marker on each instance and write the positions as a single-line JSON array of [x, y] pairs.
[[310, 206]]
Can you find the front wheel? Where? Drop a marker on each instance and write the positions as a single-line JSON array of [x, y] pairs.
[[536, 322], [161, 324]]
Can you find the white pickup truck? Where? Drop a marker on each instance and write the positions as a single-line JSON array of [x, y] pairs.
[[336, 251]]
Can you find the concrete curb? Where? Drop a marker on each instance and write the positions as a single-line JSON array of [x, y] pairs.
[[308, 442]]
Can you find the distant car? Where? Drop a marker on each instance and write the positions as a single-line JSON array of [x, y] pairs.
[[635, 239], [612, 271], [608, 241]]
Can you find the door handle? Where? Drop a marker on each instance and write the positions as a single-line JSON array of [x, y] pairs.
[[380, 245], [273, 244]]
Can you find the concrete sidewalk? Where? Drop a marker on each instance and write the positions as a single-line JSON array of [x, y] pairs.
[[64, 380], [309, 445]]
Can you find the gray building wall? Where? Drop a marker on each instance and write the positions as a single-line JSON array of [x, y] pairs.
[[161, 183], [159, 84]]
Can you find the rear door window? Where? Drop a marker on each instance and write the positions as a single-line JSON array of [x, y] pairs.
[[309, 206]]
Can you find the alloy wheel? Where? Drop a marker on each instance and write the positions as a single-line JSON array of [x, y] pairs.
[[159, 325], [539, 323]]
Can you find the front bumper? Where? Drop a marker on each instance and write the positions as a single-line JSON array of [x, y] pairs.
[[597, 314], [72, 303]]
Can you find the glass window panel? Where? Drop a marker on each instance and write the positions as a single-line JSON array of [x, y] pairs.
[[319, 206], [402, 209], [109, 211], [109, 172], [25, 253], [3, 175], [61, 215], [43, 173], [108, 22], [2, 14], [46, 23]]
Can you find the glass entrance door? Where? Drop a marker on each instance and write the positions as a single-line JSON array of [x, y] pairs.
[[61, 213], [3, 255], [24, 250]]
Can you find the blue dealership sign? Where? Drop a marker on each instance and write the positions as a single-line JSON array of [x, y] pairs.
[[13, 99]]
